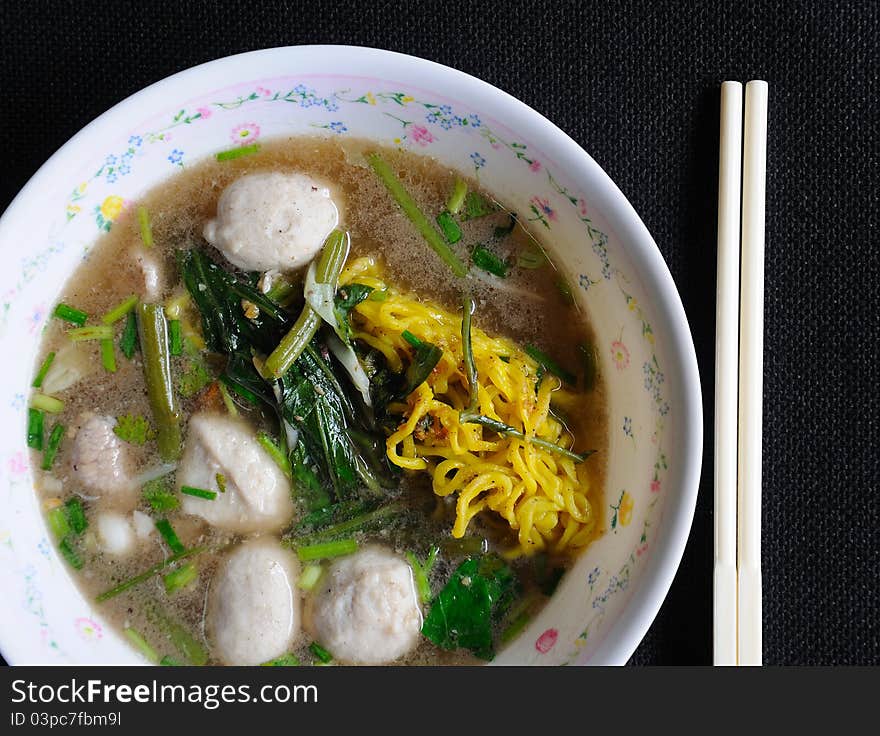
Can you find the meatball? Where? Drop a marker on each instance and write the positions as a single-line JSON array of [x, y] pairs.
[[257, 495], [367, 610], [272, 221], [253, 612], [100, 462]]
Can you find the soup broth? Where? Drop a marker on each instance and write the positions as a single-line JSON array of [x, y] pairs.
[[526, 301]]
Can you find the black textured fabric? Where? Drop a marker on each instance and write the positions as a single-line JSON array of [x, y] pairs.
[[637, 84]]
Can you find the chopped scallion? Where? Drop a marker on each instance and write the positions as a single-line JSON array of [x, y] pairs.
[[35, 429], [227, 399], [58, 523], [69, 314], [120, 310], [44, 369], [415, 214], [141, 644], [169, 661], [321, 653], [488, 261], [410, 338], [285, 660], [541, 358], [47, 403], [198, 493], [180, 578], [147, 574], [449, 227], [234, 153], [309, 577], [476, 205], [128, 343], [76, 515], [145, 227], [153, 334], [326, 550], [457, 195], [108, 357], [70, 554], [274, 451], [52, 446], [94, 332], [175, 343], [170, 536], [421, 572]]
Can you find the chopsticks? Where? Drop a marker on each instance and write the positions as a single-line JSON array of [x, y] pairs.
[[739, 375]]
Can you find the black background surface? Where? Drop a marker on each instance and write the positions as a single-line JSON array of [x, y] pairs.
[[636, 84]]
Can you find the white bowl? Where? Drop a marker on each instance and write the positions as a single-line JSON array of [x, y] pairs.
[[606, 603]]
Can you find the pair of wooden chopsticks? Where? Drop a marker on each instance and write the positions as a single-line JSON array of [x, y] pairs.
[[739, 362]]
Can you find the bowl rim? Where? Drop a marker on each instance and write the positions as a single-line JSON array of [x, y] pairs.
[[628, 630]]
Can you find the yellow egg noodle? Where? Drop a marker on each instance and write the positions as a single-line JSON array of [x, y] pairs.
[[543, 496]]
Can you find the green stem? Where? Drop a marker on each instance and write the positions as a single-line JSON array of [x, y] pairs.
[[153, 333]]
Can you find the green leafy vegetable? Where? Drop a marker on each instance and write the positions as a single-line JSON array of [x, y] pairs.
[[474, 600], [76, 516], [325, 550], [422, 572], [426, 355], [180, 578], [147, 574], [193, 378], [347, 298], [153, 334], [159, 496], [488, 261], [70, 554], [285, 660], [350, 525], [52, 447], [276, 452], [322, 654], [185, 643], [134, 429], [140, 643]]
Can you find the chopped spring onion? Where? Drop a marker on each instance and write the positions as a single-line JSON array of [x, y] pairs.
[[309, 577], [410, 338], [486, 260], [147, 574], [175, 344], [69, 314], [506, 430], [326, 550], [421, 572], [221, 482], [186, 643], [128, 343], [531, 258], [180, 578], [329, 265], [169, 661], [275, 451], [476, 205], [198, 493], [153, 334], [590, 364], [449, 227], [35, 429], [321, 653], [70, 554], [141, 644], [549, 364], [416, 216], [52, 446], [58, 523], [95, 332], [145, 226], [76, 516], [170, 536], [108, 358], [457, 195], [44, 369], [281, 291], [227, 399], [285, 660], [467, 349], [234, 153], [347, 527], [47, 403], [120, 310]]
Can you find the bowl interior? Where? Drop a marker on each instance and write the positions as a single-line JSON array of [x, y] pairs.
[[606, 603]]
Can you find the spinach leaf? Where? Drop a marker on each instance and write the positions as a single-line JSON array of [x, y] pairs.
[[347, 298], [476, 597]]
